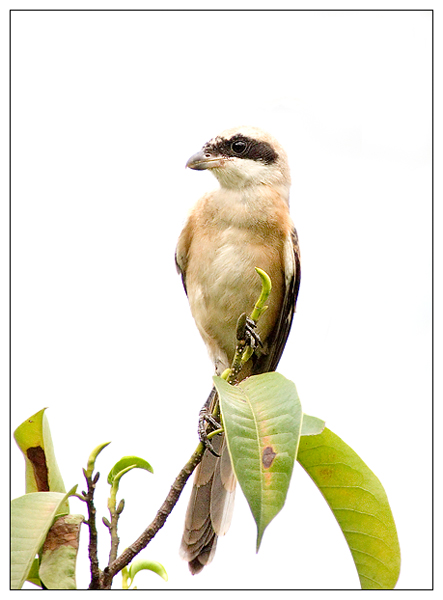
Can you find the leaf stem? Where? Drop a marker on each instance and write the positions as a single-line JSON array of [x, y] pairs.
[[243, 351], [260, 307]]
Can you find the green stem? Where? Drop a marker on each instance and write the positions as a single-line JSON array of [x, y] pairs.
[[266, 284], [242, 352]]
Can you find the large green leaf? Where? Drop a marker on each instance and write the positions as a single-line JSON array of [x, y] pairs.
[[262, 420], [360, 505], [32, 516], [59, 553], [34, 440]]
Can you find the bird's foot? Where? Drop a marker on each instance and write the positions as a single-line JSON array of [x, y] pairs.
[[206, 424], [246, 332]]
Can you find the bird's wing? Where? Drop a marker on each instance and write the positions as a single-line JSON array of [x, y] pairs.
[[277, 340], [182, 272], [182, 250]]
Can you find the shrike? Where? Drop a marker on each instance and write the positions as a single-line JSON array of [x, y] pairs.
[[230, 231]]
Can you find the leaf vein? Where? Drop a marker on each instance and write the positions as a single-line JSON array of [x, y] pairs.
[[374, 537], [361, 512], [371, 556]]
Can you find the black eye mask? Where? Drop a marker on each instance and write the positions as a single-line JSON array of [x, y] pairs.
[[241, 146]]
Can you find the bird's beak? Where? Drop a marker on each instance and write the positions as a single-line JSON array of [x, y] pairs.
[[204, 160]]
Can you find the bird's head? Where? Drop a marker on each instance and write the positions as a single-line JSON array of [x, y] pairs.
[[243, 156]]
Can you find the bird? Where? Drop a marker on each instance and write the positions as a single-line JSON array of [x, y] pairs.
[[243, 224]]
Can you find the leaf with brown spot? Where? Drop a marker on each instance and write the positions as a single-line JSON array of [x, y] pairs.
[[32, 515], [59, 553], [262, 419], [37, 459], [268, 456], [33, 437]]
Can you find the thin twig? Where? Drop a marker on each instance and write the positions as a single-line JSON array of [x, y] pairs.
[[91, 522], [115, 540], [171, 499]]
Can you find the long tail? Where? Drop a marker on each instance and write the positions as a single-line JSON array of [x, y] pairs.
[[210, 506]]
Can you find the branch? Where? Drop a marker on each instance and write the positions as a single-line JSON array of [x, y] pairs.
[[243, 353], [91, 523], [171, 499]]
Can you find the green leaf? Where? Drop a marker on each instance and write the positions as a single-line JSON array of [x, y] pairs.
[[34, 440], [262, 420], [59, 553], [32, 516], [311, 425], [142, 564], [33, 576], [359, 503], [93, 457], [125, 462]]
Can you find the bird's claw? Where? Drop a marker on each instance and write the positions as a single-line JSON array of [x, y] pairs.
[[205, 419], [246, 331]]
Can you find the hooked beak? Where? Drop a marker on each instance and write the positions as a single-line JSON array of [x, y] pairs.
[[204, 160]]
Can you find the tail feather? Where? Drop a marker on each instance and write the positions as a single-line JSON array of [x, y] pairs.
[[222, 493], [210, 507]]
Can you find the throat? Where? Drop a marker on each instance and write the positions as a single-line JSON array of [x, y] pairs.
[[257, 207]]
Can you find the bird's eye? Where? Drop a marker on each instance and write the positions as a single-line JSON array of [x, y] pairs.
[[238, 147]]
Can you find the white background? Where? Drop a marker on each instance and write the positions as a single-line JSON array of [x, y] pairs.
[[106, 109]]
